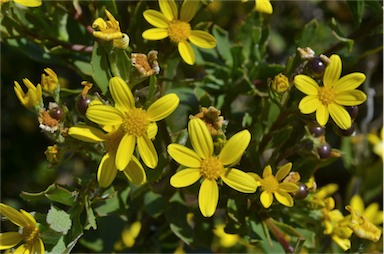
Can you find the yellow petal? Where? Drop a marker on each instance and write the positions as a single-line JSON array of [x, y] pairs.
[[125, 151], [306, 84], [332, 71], [373, 214], [266, 199], [184, 156], [235, 147], [239, 180], [87, 133], [202, 39], [340, 116], [147, 151], [163, 107], [288, 187], [152, 130], [39, 246], [31, 221], [189, 9], [350, 98], [169, 9], [284, 198], [107, 171], [9, 240], [309, 104], [13, 215], [322, 115], [349, 82], [208, 197], [25, 249], [200, 138], [121, 94], [357, 203], [267, 171], [100, 24], [104, 115], [156, 18], [264, 6], [135, 172], [255, 176], [29, 3], [155, 34], [345, 244], [283, 171], [185, 177], [186, 52]]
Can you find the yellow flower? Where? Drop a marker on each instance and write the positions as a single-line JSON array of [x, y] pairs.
[[377, 142], [107, 170], [264, 6], [130, 234], [33, 98], [49, 83], [270, 184], [335, 93], [372, 212], [27, 3], [110, 30], [202, 163], [362, 227], [280, 83], [226, 240], [169, 24], [135, 123], [29, 232], [336, 225]]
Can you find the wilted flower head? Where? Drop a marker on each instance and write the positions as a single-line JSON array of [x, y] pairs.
[[213, 120], [32, 99], [49, 82]]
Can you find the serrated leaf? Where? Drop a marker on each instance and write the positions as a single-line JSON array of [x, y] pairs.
[[59, 220]]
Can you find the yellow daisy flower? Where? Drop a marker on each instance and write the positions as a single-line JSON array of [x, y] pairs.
[[107, 170], [271, 186], [264, 6], [29, 232], [362, 227], [135, 123], [335, 93], [110, 30], [33, 98], [202, 163], [168, 23]]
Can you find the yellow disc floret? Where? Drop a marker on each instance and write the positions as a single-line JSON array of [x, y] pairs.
[[136, 122], [326, 95], [179, 31], [270, 184], [211, 168]]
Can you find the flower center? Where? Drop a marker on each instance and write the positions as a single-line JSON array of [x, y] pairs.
[[270, 184], [211, 168], [326, 95], [112, 141], [30, 234], [136, 122], [178, 31]]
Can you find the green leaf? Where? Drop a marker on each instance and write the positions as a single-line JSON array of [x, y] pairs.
[[59, 220], [54, 193], [91, 219], [99, 63], [179, 224], [223, 45], [154, 204], [357, 9], [339, 35]]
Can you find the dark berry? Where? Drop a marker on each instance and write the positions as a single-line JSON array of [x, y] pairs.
[[57, 113], [324, 150], [316, 130], [302, 193], [347, 132], [353, 111], [316, 67], [82, 103]]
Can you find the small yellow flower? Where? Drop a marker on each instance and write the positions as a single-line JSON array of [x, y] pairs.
[[130, 234], [29, 232], [168, 23], [50, 82], [52, 154], [264, 6], [33, 98], [271, 186], [107, 170], [335, 93], [377, 142], [110, 30], [280, 83], [362, 227], [27, 3], [226, 240], [134, 123], [202, 163]]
